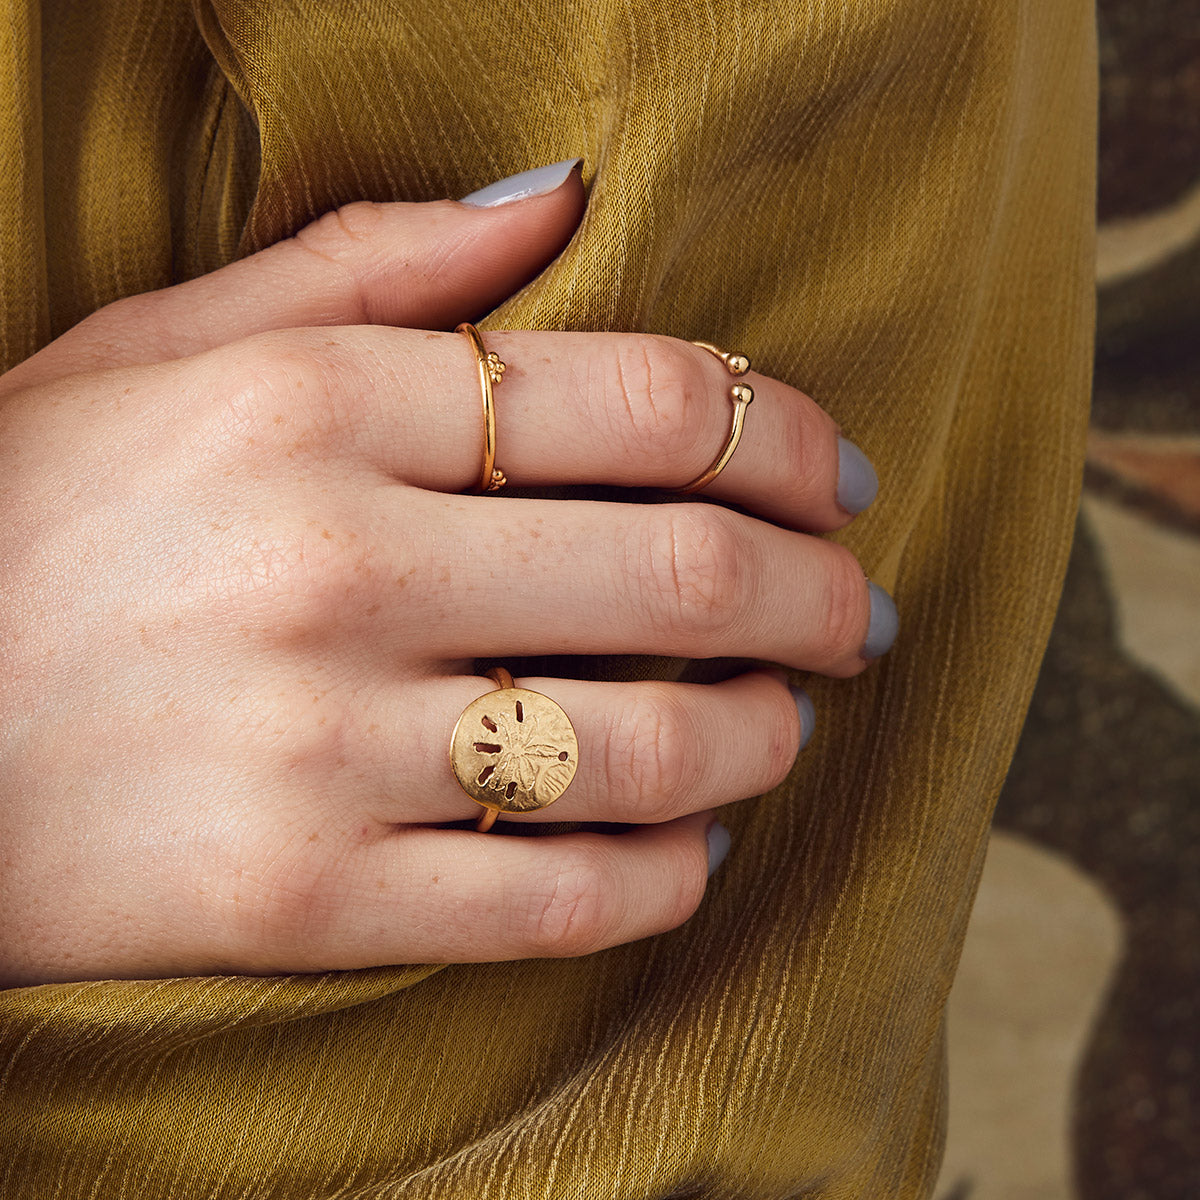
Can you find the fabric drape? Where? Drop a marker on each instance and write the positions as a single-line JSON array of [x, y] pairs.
[[887, 203]]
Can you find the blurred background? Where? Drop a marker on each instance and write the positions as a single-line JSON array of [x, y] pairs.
[[1075, 1021]]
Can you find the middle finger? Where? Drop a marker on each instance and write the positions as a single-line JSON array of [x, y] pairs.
[[534, 577]]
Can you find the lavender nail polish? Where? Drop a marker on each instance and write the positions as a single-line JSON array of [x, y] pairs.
[[857, 484], [884, 623], [718, 845], [537, 182], [808, 714]]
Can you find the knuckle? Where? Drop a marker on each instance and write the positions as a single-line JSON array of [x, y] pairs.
[[783, 733], [573, 913], [844, 626], [686, 889], [281, 393], [299, 573], [338, 240], [276, 904], [125, 314], [653, 760], [809, 441], [659, 382], [342, 231], [694, 570]]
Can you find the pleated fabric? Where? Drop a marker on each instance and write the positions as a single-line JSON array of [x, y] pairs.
[[887, 203]]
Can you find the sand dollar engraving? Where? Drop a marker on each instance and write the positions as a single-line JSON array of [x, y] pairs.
[[514, 750]]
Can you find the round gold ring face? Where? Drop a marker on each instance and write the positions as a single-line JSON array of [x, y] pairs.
[[514, 750]]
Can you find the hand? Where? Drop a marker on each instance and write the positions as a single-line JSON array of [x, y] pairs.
[[244, 589]]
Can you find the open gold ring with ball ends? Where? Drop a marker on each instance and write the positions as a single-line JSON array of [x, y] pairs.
[[741, 394], [513, 750], [491, 372]]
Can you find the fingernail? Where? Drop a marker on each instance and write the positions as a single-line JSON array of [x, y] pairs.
[[808, 714], [857, 483], [718, 845], [537, 182], [884, 623]]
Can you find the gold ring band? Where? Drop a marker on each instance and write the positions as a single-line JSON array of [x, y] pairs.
[[741, 394], [512, 750], [491, 371]]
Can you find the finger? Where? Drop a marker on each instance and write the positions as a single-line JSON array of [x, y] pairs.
[[429, 895], [648, 751], [633, 410], [578, 577], [426, 265], [643, 410]]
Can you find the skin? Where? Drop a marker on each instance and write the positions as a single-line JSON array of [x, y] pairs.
[[244, 589]]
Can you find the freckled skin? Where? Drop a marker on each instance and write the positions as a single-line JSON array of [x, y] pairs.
[[246, 620]]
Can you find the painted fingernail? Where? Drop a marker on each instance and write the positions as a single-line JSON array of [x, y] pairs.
[[808, 714], [857, 483], [537, 182], [883, 625], [718, 845]]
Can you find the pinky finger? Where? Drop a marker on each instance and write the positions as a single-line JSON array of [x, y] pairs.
[[445, 895]]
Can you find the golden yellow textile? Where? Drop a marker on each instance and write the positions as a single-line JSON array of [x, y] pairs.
[[885, 202]]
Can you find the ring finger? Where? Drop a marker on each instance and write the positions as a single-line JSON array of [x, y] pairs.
[[648, 751]]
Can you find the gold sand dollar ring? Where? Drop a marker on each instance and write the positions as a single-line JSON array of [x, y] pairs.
[[513, 750]]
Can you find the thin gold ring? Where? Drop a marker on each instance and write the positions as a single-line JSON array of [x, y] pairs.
[[512, 750], [741, 394], [491, 372]]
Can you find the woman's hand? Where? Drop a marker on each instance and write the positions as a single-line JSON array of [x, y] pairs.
[[244, 589]]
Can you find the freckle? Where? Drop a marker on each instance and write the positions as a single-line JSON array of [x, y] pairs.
[[326, 534], [279, 418], [372, 610], [444, 577], [401, 582], [373, 728], [127, 391], [533, 533], [316, 699], [314, 837], [436, 879], [322, 721], [331, 343]]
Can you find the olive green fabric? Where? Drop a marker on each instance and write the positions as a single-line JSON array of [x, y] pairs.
[[885, 202]]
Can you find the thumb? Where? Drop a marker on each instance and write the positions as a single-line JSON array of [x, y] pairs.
[[424, 266]]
